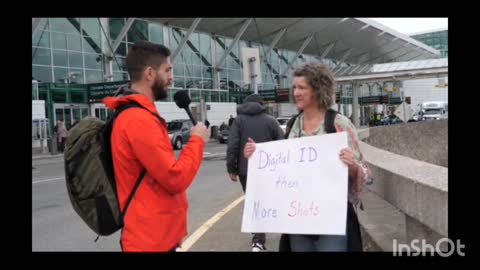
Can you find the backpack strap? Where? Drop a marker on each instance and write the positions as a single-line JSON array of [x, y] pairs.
[[330, 121], [290, 124], [108, 149]]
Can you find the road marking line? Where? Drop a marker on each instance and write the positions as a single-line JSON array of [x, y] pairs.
[[48, 180], [190, 241]]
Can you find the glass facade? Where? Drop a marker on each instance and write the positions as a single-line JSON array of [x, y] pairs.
[[70, 50], [437, 40]]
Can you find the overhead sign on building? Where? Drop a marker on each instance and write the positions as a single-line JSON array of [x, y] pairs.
[[268, 95], [281, 95], [97, 91]]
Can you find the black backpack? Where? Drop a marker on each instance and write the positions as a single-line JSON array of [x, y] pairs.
[[90, 176], [354, 237]]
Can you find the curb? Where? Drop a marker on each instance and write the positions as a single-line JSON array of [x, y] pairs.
[[220, 156], [37, 157]]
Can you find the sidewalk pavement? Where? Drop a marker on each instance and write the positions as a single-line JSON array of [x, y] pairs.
[[225, 235], [380, 222]]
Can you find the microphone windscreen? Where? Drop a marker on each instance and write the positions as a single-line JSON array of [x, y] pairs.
[[182, 99]]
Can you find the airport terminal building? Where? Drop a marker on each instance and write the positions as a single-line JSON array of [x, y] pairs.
[[78, 61]]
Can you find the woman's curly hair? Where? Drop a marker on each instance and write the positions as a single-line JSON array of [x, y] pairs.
[[322, 81]]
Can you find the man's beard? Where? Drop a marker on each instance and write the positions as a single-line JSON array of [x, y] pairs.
[[159, 89]]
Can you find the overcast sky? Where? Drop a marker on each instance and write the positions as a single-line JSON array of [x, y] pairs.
[[413, 25]]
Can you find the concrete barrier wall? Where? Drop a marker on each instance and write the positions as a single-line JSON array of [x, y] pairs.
[[425, 140], [408, 198]]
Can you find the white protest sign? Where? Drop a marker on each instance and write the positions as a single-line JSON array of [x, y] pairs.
[[297, 186]]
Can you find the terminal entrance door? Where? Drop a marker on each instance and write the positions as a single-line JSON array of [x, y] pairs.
[[100, 111], [68, 112]]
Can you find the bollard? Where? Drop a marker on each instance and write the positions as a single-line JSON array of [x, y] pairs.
[[52, 145]]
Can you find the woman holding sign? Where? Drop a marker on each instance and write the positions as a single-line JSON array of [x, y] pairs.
[[314, 92]]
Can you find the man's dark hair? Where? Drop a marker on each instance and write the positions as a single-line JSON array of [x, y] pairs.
[[145, 54]]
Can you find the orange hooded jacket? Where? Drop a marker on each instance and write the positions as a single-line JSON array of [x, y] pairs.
[[156, 219]]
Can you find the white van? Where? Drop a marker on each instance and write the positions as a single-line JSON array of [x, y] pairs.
[[434, 110]]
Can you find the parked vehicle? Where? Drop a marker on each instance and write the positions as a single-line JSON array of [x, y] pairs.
[[222, 136], [283, 122], [434, 110], [179, 132]]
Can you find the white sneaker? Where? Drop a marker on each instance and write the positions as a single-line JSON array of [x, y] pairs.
[[257, 247]]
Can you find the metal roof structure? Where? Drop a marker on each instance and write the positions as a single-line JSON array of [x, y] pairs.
[[355, 41], [398, 70]]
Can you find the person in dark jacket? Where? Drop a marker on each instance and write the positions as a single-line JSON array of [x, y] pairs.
[[230, 120], [252, 122]]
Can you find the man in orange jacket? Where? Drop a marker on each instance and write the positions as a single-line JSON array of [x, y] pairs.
[[156, 219]]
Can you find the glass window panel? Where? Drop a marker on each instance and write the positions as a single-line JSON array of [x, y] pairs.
[[60, 58], [85, 113], [75, 59], [41, 56], [63, 25], [122, 49], [175, 39], [59, 41], [41, 39], [195, 95], [43, 26], [185, 57], [138, 31], [207, 84], [60, 74], [91, 45], [234, 74], [121, 62], [92, 27], [196, 71], [223, 96], [155, 33], [196, 58], [42, 74], [189, 71], [120, 76], [194, 39], [93, 76], [74, 43], [76, 76], [178, 70], [206, 96], [179, 82], [205, 43], [59, 114], [115, 25], [92, 62], [214, 96], [207, 72]]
